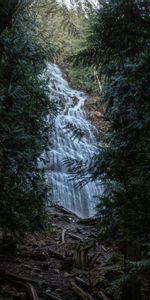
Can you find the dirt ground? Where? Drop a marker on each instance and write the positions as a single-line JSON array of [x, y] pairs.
[[59, 264]]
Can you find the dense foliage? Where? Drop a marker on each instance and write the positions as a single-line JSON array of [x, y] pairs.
[[24, 130], [118, 44], [65, 28]]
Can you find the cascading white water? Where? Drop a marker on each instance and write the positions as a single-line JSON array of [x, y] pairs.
[[62, 145]]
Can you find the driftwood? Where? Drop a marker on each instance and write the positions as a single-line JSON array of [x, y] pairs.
[[80, 292], [32, 292], [56, 254], [80, 256], [82, 283], [93, 260], [103, 296], [52, 297], [88, 247], [27, 267], [63, 235], [74, 236]]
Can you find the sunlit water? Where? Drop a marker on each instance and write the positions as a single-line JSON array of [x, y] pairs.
[[64, 144]]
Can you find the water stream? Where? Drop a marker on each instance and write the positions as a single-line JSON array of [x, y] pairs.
[[64, 144]]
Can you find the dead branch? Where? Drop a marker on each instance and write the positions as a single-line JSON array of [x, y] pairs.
[[52, 297], [32, 292], [80, 256], [88, 247], [63, 235], [103, 296], [27, 267], [82, 283], [80, 292], [74, 236], [93, 260]]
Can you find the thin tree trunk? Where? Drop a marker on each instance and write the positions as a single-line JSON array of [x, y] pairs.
[[132, 286], [7, 10]]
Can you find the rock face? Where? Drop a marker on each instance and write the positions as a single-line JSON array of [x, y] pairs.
[[95, 112]]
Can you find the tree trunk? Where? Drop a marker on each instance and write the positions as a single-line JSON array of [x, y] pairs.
[[132, 286], [7, 10]]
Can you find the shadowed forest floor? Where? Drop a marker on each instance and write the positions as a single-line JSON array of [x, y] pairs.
[[62, 263]]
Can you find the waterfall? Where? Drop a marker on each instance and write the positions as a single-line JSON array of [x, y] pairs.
[[62, 144]]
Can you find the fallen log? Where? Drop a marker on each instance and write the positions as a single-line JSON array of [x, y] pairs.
[[74, 236], [93, 260], [52, 297], [63, 235], [32, 292], [80, 256], [88, 247], [80, 292], [82, 283], [27, 267], [103, 296]]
